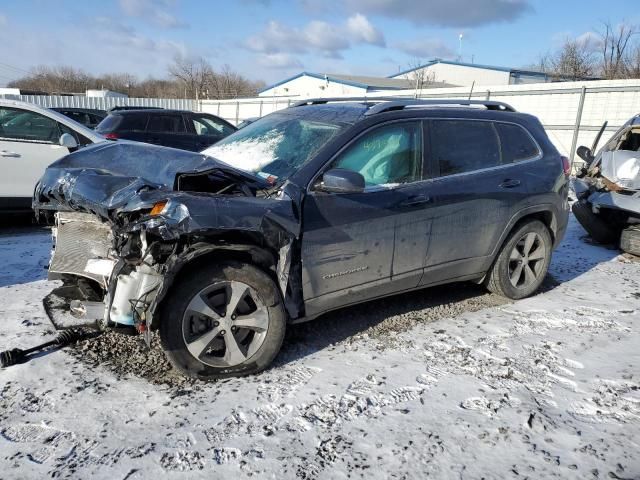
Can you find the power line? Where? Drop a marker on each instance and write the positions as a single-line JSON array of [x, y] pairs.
[[21, 70]]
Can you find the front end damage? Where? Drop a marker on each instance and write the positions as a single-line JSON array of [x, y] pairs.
[[608, 187], [120, 239]]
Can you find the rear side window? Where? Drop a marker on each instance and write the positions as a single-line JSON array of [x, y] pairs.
[[460, 146], [516, 143], [166, 124], [133, 122]]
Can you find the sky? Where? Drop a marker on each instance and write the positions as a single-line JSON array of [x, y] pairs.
[[271, 40]]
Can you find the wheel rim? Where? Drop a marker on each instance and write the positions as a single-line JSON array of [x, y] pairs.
[[527, 259], [225, 324]]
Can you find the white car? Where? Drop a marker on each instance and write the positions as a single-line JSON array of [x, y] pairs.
[[31, 138]]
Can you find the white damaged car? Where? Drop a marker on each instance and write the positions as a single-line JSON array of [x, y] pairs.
[[608, 189]]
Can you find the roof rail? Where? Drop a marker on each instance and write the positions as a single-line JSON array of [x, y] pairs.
[[401, 104], [386, 104], [322, 101]]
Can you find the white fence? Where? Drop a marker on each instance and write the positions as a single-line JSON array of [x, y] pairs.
[[105, 103], [571, 112]]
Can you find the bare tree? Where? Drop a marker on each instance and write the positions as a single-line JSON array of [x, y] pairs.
[[614, 44], [574, 61], [419, 76]]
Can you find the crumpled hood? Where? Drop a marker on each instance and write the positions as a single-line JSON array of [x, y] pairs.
[[106, 176]]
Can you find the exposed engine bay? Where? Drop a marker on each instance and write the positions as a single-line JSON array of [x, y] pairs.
[[120, 239]]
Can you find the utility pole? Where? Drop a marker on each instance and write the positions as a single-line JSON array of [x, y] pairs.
[[460, 48]]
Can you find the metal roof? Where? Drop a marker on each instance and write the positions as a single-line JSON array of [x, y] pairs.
[[362, 81], [472, 65]]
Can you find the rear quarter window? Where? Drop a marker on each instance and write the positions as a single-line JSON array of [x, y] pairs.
[[109, 124], [516, 143]]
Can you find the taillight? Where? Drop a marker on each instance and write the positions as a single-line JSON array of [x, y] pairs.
[[111, 136], [566, 165]]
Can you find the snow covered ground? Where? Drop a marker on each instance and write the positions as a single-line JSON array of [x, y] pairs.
[[544, 387]]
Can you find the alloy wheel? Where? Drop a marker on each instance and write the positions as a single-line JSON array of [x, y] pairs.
[[225, 324], [527, 259]]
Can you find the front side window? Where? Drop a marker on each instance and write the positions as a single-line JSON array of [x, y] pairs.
[[460, 146], [208, 126], [166, 124], [27, 126], [516, 143], [387, 156]]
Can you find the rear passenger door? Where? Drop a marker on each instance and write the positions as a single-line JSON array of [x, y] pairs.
[[169, 130], [478, 186]]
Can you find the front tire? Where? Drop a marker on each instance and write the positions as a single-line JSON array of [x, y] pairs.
[[225, 320], [522, 263]]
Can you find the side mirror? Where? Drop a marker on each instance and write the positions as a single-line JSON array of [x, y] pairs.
[[67, 140], [585, 154], [340, 180]]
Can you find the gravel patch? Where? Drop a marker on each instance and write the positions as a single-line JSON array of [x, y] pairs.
[[379, 320]]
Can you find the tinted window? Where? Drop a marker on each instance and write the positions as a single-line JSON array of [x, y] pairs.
[[79, 117], [516, 143], [460, 146], [109, 124], [387, 155], [137, 122], [209, 126], [81, 139], [166, 124], [26, 125]]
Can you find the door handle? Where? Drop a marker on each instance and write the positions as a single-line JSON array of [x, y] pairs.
[[415, 200], [7, 153], [510, 183]]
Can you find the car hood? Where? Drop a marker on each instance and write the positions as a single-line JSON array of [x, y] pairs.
[[110, 176]]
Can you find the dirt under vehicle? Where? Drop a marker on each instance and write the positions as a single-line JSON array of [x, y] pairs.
[[608, 188], [325, 204]]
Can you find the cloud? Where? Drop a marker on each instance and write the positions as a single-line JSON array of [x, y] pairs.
[[153, 11], [425, 48], [445, 13], [361, 29], [316, 36], [279, 61]]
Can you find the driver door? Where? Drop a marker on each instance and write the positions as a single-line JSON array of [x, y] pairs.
[[351, 243], [28, 145]]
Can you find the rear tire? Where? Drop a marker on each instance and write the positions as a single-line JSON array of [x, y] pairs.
[[225, 320], [520, 267], [630, 240], [597, 228]]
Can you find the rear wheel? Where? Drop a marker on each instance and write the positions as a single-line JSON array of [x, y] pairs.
[[522, 264], [223, 321]]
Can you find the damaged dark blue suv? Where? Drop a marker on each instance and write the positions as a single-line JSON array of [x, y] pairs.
[[322, 205]]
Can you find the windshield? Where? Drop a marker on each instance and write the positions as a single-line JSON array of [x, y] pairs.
[[273, 147]]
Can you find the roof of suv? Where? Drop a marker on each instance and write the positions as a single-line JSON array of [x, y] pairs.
[[150, 111], [352, 110]]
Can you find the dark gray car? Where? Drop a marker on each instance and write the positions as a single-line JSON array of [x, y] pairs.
[[319, 206]]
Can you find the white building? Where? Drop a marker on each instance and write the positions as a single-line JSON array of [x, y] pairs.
[[310, 85], [467, 74], [105, 94]]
